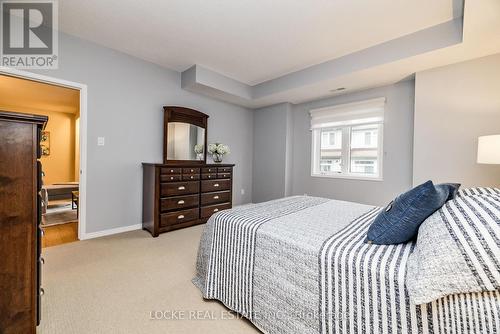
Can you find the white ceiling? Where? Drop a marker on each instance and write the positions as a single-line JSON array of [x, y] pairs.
[[257, 53], [248, 40]]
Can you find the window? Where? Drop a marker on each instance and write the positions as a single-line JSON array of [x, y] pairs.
[[347, 140]]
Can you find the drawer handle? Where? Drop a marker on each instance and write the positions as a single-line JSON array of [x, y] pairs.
[[42, 260], [180, 217], [216, 185], [181, 188], [216, 197], [181, 202], [171, 171], [192, 170], [215, 210], [42, 291], [192, 177], [210, 176], [171, 178]]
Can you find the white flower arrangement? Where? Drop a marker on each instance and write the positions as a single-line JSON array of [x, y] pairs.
[[218, 148], [198, 148]]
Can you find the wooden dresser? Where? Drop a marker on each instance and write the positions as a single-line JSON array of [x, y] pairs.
[[184, 190], [183, 195], [20, 216]]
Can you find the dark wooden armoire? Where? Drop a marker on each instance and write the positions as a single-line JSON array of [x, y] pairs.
[[20, 217]]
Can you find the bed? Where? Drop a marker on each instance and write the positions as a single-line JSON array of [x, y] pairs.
[[300, 265]]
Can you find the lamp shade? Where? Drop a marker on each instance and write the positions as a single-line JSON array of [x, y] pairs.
[[488, 150]]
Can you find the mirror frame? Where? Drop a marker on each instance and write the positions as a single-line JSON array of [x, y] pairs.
[[183, 115]]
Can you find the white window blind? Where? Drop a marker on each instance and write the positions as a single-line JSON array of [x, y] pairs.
[[369, 111]]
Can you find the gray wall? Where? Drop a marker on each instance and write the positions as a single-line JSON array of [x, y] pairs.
[[125, 96], [454, 105], [125, 99], [271, 174], [398, 139], [282, 150]]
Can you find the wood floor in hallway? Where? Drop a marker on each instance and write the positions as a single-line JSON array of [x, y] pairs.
[[60, 234]]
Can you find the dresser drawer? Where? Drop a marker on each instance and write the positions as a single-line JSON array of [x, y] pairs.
[[40, 175], [38, 146], [178, 217], [209, 170], [207, 211], [193, 177], [170, 178], [179, 203], [170, 170], [215, 185], [179, 188], [214, 198], [39, 236], [224, 170], [190, 171], [210, 176], [39, 209], [224, 175]]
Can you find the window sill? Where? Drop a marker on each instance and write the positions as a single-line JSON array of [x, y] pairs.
[[349, 177]]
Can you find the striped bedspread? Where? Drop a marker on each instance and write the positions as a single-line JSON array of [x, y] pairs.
[[363, 287], [478, 191], [299, 265], [230, 267]]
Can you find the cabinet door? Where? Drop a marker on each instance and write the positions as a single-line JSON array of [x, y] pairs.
[[18, 220]]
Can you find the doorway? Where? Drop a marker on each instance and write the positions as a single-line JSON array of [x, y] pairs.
[[63, 147]]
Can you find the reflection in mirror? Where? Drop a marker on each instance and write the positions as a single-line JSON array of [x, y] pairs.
[[185, 141]]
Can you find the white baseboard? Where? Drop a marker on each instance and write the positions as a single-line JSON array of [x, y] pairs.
[[111, 231]]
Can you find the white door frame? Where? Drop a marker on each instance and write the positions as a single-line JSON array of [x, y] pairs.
[[82, 204]]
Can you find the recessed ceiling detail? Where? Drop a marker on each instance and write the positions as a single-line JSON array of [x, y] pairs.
[[204, 81], [249, 53], [247, 40], [473, 32]]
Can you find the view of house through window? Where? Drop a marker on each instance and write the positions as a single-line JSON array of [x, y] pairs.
[[331, 150], [350, 148], [364, 149]]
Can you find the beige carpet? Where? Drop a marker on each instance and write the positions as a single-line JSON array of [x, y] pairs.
[[112, 284]]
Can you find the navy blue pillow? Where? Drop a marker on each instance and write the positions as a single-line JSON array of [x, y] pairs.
[[400, 220]]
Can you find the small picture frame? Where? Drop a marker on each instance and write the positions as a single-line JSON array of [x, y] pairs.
[[45, 143]]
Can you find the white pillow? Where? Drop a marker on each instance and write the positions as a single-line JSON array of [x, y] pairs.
[[457, 250]]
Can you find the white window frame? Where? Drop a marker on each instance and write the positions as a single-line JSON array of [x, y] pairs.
[[346, 124]]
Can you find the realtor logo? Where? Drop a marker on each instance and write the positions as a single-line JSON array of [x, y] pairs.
[[29, 37]]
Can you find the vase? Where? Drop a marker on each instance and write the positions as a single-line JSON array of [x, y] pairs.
[[217, 157]]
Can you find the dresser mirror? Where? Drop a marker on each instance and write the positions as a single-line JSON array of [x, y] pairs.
[[185, 135], [185, 141]]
